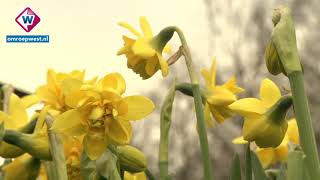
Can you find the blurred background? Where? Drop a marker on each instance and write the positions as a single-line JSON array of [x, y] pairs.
[[84, 35]]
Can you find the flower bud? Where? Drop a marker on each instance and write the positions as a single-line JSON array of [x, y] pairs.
[[131, 159], [272, 60], [36, 145], [24, 167]]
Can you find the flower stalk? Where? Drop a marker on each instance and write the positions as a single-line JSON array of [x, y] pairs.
[[284, 41], [206, 160], [57, 153]]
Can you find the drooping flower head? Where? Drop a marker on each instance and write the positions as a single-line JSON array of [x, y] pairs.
[[264, 118], [218, 97], [144, 53], [270, 156], [102, 114]]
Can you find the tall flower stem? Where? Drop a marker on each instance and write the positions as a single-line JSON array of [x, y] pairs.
[[307, 139], [57, 152], [284, 42], [206, 160]]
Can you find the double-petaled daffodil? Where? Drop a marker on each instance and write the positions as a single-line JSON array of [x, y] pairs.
[[144, 53], [61, 86], [264, 118], [15, 119], [134, 176], [102, 114], [218, 97], [270, 156]]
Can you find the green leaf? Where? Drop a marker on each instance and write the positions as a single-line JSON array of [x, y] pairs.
[[235, 168], [2, 131], [258, 171], [248, 167], [295, 165], [107, 166]]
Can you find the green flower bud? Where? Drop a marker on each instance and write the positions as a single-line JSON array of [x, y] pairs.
[[272, 60], [131, 159], [35, 144]]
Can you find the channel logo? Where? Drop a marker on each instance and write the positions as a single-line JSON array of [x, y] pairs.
[[28, 19]]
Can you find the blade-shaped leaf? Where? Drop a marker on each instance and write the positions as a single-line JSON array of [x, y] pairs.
[[235, 168], [248, 167], [258, 171]]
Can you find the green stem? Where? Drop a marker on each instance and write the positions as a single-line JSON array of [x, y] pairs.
[[248, 168], [206, 160], [57, 152], [149, 175], [306, 133]]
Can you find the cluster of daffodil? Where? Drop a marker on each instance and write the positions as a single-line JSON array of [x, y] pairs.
[[84, 126]]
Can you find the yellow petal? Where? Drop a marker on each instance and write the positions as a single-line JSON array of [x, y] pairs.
[[134, 176], [282, 150], [248, 107], [114, 81], [71, 122], [293, 132], [163, 65], [213, 72], [239, 140], [217, 114], [266, 156], [70, 85], [119, 132], [130, 28], [207, 116], [29, 100], [74, 99], [142, 47], [206, 76], [47, 95], [94, 144], [167, 49], [232, 85], [269, 92], [138, 107], [145, 27], [17, 112], [221, 96], [51, 79]]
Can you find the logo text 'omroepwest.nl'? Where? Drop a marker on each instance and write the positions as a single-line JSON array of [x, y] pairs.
[[27, 20]]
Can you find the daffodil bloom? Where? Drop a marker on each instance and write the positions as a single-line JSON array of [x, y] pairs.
[[59, 87], [270, 156], [265, 117], [144, 53], [24, 167], [15, 119], [135, 176], [103, 115], [218, 97]]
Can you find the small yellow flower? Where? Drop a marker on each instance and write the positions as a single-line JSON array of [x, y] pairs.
[[270, 156], [144, 54], [15, 119], [218, 97], [105, 115], [24, 167], [135, 176], [265, 117]]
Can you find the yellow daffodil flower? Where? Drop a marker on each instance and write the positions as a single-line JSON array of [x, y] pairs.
[[61, 86], [24, 167], [218, 97], [265, 117], [270, 156], [105, 116], [135, 176], [15, 119], [144, 53]]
